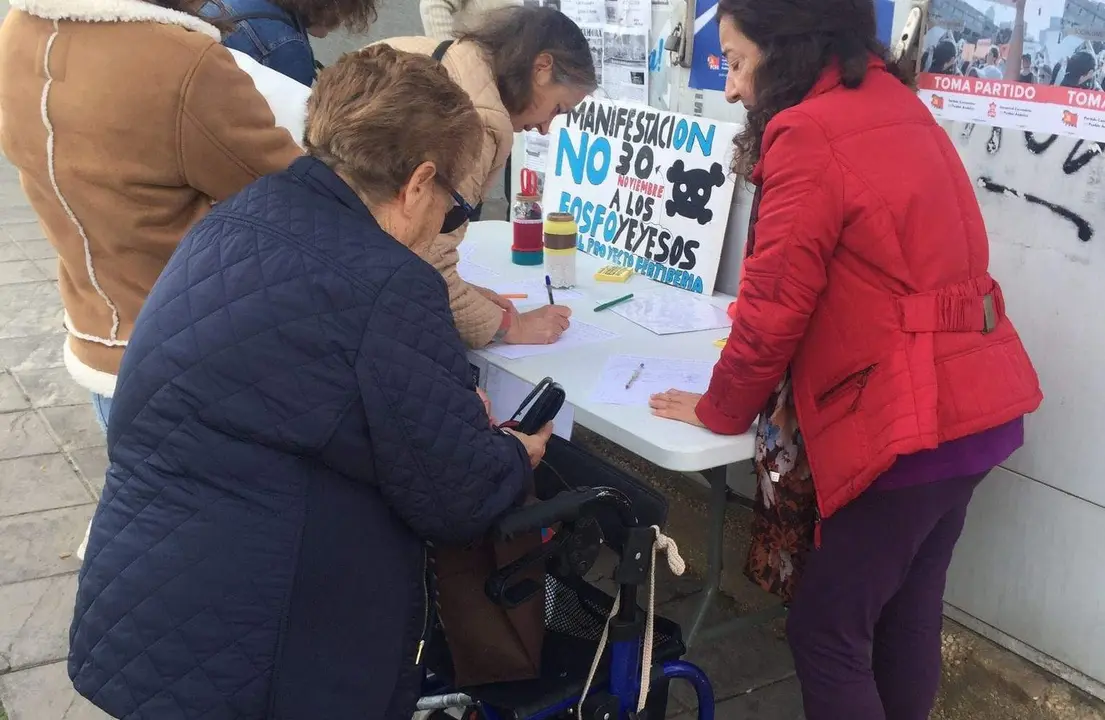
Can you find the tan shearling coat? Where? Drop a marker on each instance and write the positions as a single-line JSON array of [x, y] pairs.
[[126, 120], [476, 317]]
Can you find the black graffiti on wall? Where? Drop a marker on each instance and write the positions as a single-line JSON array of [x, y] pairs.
[[1077, 159], [1074, 161], [1085, 231]]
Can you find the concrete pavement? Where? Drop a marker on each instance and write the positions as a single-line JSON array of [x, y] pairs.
[[52, 464]]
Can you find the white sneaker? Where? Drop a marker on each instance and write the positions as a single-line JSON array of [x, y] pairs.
[[84, 543]]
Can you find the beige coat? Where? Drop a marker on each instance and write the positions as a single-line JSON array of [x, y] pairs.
[[476, 317], [125, 120]]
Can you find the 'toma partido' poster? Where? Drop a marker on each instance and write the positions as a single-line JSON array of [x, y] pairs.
[[650, 190], [1035, 65]]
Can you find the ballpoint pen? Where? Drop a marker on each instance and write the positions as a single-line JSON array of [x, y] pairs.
[[548, 286], [636, 374], [616, 301]]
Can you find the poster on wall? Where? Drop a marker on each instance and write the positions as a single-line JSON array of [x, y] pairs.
[[650, 189], [617, 32], [708, 64], [1036, 65]]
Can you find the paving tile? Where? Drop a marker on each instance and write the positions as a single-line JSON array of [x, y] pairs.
[[11, 395], [23, 433], [38, 249], [780, 701], [32, 352], [48, 267], [10, 251], [40, 482], [746, 659], [20, 214], [45, 693], [19, 271], [22, 230], [92, 464], [42, 544], [75, 425], [51, 387], [12, 197], [30, 309], [34, 627]]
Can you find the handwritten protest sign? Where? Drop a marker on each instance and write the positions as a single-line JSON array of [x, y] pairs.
[[650, 190]]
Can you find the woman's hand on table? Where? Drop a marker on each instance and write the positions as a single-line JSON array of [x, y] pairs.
[[542, 326], [534, 444], [676, 405]]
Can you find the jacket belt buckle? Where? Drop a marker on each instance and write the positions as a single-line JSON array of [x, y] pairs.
[[989, 314]]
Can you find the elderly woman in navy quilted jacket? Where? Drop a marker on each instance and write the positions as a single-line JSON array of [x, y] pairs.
[[294, 421]]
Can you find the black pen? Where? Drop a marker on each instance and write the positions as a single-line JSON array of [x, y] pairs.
[[548, 286]]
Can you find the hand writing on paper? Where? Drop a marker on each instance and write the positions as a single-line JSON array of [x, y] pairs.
[[486, 405], [676, 405], [542, 326]]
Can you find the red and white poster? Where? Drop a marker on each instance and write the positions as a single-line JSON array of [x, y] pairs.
[[1035, 65]]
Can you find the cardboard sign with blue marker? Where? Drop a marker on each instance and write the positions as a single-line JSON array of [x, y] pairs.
[[650, 190]]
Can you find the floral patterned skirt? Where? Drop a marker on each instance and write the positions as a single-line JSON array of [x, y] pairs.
[[785, 512]]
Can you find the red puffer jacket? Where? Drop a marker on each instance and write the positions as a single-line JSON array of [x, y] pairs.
[[868, 277]]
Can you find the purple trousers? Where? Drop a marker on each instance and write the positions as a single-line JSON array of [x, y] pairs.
[[865, 623]]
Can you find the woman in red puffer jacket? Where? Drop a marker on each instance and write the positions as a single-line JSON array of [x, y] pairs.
[[866, 278]]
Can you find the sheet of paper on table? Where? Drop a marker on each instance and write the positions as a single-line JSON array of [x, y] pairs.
[[536, 290], [507, 392], [577, 334], [657, 375], [476, 274], [672, 313]]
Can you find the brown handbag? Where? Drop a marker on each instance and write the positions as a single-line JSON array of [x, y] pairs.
[[489, 643]]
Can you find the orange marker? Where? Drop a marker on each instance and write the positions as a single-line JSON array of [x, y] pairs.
[[516, 296]]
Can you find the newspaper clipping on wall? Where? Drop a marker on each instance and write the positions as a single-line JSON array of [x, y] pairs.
[[618, 33]]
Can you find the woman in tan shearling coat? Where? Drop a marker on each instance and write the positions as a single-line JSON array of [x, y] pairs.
[[126, 119], [521, 67]]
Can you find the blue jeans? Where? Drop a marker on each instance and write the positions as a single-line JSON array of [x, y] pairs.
[[102, 407]]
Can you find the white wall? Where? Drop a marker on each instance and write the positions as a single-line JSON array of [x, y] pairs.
[[1029, 562], [1027, 571]]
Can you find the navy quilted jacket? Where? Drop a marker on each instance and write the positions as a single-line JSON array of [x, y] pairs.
[[293, 418]]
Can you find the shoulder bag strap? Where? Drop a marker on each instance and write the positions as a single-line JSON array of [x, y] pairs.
[[440, 50]]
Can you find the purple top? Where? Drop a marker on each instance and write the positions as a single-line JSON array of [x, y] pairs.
[[970, 455]]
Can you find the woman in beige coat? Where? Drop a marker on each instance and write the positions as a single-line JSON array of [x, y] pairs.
[[521, 66]]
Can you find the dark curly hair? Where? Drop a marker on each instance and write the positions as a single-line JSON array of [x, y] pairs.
[[798, 39]]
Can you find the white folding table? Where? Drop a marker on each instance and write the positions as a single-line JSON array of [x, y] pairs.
[[671, 445]]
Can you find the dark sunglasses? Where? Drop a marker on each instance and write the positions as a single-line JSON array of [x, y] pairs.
[[459, 214]]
